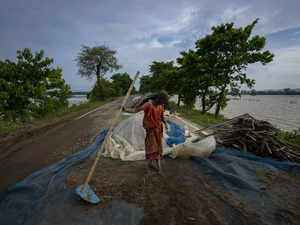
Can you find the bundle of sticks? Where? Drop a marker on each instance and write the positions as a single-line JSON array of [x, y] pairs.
[[245, 133]]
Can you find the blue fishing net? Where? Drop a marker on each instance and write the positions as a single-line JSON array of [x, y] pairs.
[[43, 198]]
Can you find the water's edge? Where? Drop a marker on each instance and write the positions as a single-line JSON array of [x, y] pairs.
[[283, 111]]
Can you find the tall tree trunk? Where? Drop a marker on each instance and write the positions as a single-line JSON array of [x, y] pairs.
[[219, 101], [178, 100], [98, 73], [218, 108], [203, 102]]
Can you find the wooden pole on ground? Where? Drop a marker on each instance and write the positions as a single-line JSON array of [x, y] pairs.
[[221, 124]]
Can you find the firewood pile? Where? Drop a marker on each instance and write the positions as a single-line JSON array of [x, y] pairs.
[[258, 137]]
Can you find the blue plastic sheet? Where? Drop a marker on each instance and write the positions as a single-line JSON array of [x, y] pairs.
[[176, 134], [18, 203], [42, 198], [236, 171]]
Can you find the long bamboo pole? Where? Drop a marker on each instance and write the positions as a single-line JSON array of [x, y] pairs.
[[114, 122], [221, 124]]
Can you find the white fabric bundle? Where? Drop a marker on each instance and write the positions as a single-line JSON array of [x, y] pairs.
[[127, 142]]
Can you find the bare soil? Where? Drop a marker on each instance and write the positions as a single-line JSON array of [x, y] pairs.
[[35, 146], [183, 195], [284, 188]]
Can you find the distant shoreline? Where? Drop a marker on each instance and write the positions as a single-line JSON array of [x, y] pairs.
[[270, 94]]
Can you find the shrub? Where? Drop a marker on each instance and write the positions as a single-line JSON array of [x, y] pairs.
[[30, 87], [102, 90]]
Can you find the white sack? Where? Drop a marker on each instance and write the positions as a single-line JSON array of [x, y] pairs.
[[127, 142]]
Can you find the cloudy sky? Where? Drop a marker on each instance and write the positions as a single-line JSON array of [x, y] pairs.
[[144, 31]]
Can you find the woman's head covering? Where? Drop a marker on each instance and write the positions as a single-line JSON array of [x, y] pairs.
[[161, 96]]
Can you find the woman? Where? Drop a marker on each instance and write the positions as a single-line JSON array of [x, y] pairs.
[[153, 124]]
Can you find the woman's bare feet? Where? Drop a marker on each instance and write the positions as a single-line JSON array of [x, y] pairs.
[[151, 165], [160, 172]]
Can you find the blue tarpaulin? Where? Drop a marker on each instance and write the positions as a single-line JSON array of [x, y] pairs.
[[43, 193], [175, 133]]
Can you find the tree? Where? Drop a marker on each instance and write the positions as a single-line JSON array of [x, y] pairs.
[[96, 61], [164, 76], [222, 59], [253, 92], [193, 79], [286, 91], [146, 84], [121, 83], [30, 87], [102, 90]]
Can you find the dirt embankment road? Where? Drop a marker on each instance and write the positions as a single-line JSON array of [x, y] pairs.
[[32, 150]]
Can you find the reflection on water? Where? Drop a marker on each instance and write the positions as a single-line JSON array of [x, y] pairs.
[[76, 99], [282, 111]]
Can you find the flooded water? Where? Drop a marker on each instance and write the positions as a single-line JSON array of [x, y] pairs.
[[283, 111], [76, 99]]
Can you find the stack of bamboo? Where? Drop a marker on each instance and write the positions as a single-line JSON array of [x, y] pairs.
[[258, 137]]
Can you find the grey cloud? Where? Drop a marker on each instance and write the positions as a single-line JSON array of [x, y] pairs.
[[142, 31]]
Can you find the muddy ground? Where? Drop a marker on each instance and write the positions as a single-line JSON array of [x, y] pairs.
[[185, 195], [35, 146]]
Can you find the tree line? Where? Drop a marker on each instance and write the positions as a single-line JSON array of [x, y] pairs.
[[96, 62], [285, 91], [32, 87], [214, 68]]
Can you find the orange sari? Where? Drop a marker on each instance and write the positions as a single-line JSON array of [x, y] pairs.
[[153, 125]]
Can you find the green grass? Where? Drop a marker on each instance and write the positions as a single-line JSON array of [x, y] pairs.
[[292, 137], [74, 108], [208, 119], [7, 127], [203, 119]]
